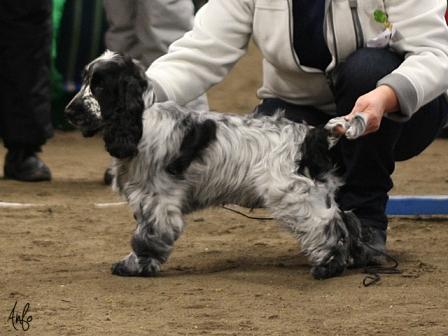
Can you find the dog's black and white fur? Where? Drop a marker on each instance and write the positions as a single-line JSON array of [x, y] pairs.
[[170, 161]]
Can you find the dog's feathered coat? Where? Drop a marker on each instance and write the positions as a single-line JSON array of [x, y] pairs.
[[171, 161]]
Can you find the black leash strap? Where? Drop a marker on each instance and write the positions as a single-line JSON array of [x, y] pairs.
[[247, 216], [373, 272]]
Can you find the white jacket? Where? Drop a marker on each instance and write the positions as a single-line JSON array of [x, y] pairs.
[[223, 28]]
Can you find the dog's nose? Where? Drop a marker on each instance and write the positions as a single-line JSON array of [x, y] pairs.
[[72, 109], [71, 115], [69, 112]]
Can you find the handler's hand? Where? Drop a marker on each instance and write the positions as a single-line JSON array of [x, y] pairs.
[[374, 105]]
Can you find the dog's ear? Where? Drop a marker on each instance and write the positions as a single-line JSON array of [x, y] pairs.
[[124, 127], [316, 158]]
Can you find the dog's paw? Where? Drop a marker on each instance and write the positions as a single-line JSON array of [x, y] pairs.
[[331, 269], [121, 269], [133, 266]]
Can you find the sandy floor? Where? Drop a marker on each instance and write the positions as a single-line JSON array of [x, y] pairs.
[[227, 275]]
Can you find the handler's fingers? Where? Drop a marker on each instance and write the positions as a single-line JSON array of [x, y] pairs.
[[337, 126], [353, 125], [358, 125], [339, 130]]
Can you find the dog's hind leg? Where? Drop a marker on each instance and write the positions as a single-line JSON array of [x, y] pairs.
[[313, 216], [159, 225]]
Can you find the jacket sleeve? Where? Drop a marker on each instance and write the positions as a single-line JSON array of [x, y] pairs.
[[422, 38], [205, 55]]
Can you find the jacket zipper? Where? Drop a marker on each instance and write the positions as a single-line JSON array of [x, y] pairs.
[[291, 38], [357, 24], [329, 14], [335, 46]]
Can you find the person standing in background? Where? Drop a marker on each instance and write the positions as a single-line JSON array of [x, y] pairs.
[[25, 106], [144, 29]]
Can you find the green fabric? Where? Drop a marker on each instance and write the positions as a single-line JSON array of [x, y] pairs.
[[82, 24], [58, 9], [74, 43], [56, 77]]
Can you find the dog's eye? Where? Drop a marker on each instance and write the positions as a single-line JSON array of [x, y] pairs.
[[97, 84], [97, 90]]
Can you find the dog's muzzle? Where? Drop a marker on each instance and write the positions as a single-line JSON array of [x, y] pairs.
[[79, 116]]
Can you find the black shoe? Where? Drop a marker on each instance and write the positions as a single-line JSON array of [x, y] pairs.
[[108, 176], [367, 243], [22, 165]]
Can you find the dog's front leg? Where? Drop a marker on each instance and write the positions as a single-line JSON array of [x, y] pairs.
[[158, 227]]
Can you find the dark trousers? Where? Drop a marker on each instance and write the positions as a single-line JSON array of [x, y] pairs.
[[368, 162], [25, 44]]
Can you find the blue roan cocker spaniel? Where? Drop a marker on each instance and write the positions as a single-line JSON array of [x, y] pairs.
[[170, 161]]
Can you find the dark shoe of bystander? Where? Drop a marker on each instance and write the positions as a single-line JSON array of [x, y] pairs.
[[108, 176], [23, 165]]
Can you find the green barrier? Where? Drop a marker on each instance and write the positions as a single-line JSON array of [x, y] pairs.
[[57, 83], [78, 31]]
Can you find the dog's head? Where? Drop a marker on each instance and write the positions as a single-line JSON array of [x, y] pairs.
[[111, 98]]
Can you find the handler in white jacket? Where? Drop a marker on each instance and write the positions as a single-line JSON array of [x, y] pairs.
[[330, 58]]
